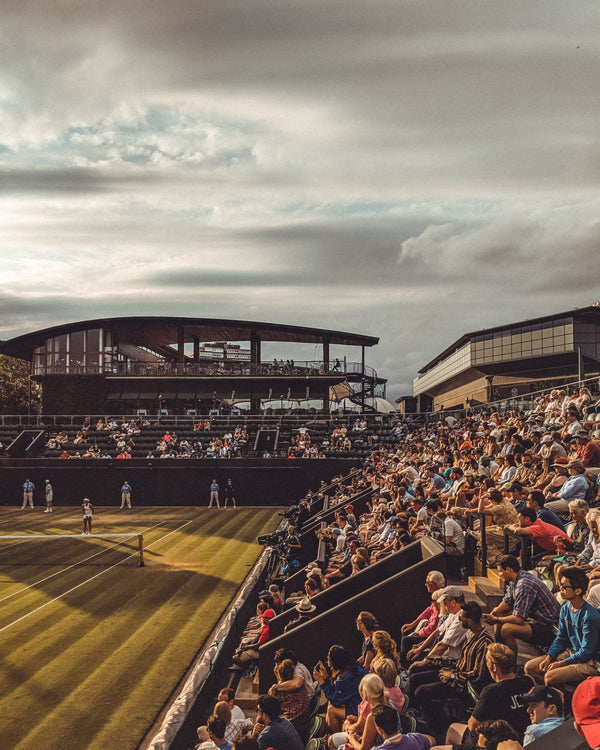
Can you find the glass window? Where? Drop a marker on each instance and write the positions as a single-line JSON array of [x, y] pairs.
[[77, 351], [39, 358], [92, 349], [60, 354]]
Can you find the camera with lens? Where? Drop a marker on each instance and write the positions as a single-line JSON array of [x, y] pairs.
[[291, 514], [272, 540]]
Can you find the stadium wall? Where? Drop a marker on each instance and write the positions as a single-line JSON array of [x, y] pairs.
[[166, 481]]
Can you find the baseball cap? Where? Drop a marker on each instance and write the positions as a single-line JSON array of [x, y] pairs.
[[544, 693], [586, 709], [268, 614], [450, 592]]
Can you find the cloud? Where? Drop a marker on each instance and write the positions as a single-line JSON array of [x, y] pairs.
[[404, 169]]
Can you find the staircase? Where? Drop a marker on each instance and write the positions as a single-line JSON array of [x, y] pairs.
[[27, 443]]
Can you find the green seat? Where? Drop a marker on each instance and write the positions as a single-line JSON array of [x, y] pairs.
[[316, 728], [315, 703]]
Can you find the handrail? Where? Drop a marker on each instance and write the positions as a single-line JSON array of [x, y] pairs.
[[220, 420], [229, 368]]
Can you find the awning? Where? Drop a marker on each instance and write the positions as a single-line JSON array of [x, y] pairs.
[[339, 391], [130, 393], [168, 390], [149, 392], [186, 392]]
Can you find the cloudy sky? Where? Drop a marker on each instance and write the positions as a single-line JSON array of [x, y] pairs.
[[405, 169]]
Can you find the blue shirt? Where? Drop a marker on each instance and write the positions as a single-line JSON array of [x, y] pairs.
[[344, 691], [575, 487], [578, 631], [550, 516], [438, 481], [281, 735], [28, 486], [535, 731]]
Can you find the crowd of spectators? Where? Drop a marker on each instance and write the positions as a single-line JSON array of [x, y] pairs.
[[118, 439], [342, 440], [457, 674]]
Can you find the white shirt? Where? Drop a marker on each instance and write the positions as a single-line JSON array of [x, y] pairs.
[[454, 530], [453, 635], [300, 670]]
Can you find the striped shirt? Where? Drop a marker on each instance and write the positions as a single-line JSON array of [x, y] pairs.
[[471, 663], [531, 599]]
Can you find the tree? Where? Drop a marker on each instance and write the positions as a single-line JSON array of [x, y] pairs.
[[15, 385]]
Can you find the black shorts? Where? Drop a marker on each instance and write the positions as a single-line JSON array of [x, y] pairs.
[[541, 632]]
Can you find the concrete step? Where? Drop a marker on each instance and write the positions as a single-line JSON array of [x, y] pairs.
[[486, 590], [469, 594], [247, 693], [494, 576]]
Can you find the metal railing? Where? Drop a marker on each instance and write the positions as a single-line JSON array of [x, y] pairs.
[[219, 421], [229, 368]]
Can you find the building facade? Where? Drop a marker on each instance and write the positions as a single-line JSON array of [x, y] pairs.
[[182, 365], [511, 360]]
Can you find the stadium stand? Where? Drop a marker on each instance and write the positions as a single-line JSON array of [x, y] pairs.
[[392, 588]]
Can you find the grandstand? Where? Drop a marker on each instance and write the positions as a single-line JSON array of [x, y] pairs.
[[177, 366], [392, 588], [375, 464]]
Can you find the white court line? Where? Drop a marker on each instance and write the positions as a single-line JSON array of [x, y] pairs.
[[88, 580], [73, 565]]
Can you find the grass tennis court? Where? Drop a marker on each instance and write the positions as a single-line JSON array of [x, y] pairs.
[[92, 645]]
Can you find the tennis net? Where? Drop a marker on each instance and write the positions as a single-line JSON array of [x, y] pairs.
[[60, 549]]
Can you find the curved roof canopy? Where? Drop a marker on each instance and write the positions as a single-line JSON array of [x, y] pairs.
[[157, 333]]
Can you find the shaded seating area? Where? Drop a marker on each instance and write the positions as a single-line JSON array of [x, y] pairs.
[[393, 588]]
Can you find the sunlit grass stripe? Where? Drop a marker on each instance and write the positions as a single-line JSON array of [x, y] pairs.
[[145, 626], [87, 581]]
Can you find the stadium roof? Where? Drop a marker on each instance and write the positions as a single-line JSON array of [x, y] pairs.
[[155, 332]]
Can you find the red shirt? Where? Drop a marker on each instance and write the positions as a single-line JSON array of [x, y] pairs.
[[264, 633], [589, 453], [543, 533]]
